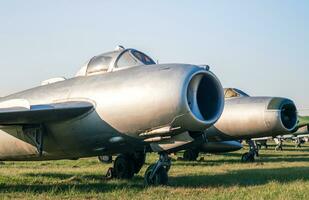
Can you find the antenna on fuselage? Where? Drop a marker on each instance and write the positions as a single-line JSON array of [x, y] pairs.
[[206, 67], [119, 48]]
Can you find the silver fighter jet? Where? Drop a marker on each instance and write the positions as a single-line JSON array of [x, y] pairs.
[[246, 117], [120, 102]]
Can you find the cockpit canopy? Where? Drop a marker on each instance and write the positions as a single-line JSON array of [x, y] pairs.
[[115, 60], [233, 92]]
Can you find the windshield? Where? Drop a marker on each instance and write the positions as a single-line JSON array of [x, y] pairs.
[[99, 63], [126, 60], [241, 93], [143, 58], [132, 58], [233, 92]]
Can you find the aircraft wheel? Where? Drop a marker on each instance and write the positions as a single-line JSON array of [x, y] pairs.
[[123, 167], [160, 177], [247, 157], [139, 160], [105, 159], [277, 148], [110, 173], [190, 155]]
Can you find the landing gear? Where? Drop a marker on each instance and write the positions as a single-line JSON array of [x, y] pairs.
[[247, 157], [298, 142], [279, 144], [190, 155], [138, 160], [123, 167], [253, 152], [126, 165], [156, 174], [262, 143]]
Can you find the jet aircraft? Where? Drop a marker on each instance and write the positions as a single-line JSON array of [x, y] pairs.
[[246, 117], [119, 103], [298, 135]]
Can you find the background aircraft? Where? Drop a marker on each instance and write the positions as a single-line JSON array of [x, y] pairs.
[[299, 135], [245, 117]]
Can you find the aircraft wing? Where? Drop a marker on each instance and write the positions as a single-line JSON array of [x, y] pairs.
[[303, 121], [19, 111], [262, 138]]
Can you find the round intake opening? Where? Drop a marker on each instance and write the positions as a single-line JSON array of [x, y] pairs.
[[288, 115], [205, 97]]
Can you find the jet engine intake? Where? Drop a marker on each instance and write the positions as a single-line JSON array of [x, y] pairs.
[[284, 114], [205, 101], [248, 117]]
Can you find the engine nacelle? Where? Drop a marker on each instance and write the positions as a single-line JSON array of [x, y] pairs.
[[154, 101], [249, 117]]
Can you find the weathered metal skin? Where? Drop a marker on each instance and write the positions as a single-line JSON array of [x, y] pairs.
[[129, 105], [249, 117]]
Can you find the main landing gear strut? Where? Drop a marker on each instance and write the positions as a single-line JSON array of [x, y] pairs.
[[126, 165], [156, 174], [190, 155], [253, 152]]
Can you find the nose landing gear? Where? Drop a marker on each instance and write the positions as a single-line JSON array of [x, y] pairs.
[[190, 155], [156, 174], [253, 152]]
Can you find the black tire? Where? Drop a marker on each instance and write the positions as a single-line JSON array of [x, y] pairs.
[[139, 160], [190, 155], [251, 158], [247, 157], [160, 177], [244, 157], [105, 159], [123, 167]]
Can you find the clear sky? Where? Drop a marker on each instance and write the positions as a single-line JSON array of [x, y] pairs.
[[261, 47]]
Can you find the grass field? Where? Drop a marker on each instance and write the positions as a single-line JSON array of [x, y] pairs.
[[275, 175]]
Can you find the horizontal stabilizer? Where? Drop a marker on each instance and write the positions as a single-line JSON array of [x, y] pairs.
[[19, 112]]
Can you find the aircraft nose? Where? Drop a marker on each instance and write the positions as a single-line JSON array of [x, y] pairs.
[[285, 110]]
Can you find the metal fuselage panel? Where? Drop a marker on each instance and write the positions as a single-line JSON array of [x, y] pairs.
[[244, 118], [127, 103]]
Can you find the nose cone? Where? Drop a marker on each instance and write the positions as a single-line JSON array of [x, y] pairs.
[[285, 111]]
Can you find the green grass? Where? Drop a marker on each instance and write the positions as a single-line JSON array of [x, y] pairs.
[[275, 175]]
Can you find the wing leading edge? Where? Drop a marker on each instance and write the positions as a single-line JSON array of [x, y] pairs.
[[19, 112]]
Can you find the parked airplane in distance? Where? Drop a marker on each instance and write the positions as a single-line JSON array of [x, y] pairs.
[[246, 117]]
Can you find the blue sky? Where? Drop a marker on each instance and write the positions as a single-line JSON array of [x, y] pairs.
[[261, 47]]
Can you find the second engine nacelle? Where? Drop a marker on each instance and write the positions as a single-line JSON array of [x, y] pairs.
[[249, 117]]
